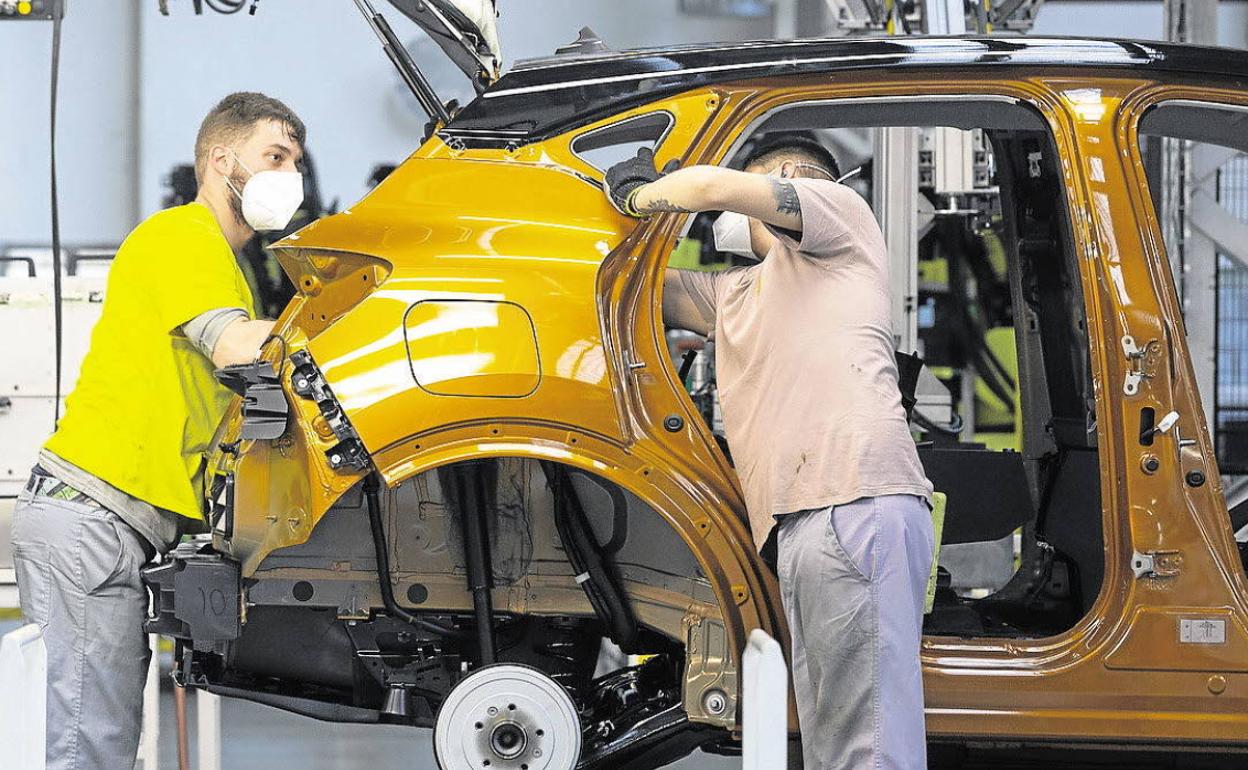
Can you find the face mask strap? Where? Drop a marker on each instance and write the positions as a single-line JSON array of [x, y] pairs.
[[849, 175], [230, 185], [817, 169], [239, 161], [809, 167]]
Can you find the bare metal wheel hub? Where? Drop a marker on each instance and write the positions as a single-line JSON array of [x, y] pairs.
[[507, 717]]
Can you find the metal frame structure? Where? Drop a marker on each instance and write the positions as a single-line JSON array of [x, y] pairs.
[[896, 179]]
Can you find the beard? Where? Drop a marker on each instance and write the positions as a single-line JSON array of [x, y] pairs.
[[237, 182]]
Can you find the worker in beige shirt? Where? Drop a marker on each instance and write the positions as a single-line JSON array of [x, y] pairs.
[[820, 440]]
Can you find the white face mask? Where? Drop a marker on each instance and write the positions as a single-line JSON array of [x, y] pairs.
[[270, 198], [732, 234]]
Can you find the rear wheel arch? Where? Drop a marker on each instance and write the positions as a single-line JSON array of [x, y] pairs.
[[744, 588]]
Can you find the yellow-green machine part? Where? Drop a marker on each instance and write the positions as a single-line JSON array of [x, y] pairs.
[[938, 526]]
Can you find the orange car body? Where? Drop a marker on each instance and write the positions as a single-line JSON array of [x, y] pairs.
[[485, 301]]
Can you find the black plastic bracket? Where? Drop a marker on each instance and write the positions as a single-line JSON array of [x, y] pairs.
[[196, 595], [308, 383], [348, 454], [265, 410]]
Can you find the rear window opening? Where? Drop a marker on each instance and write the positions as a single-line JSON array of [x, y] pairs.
[[606, 146], [1006, 422]]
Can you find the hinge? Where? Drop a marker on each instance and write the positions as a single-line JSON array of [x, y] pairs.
[[1141, 363], [1158, 564]]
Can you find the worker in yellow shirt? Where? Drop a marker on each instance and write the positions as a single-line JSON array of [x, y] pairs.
[[121, 479]]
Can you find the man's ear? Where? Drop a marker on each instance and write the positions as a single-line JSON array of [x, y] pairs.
[[788, 169], [220, 161]]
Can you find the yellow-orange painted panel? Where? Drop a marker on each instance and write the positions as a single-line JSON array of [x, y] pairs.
[[472, 348]]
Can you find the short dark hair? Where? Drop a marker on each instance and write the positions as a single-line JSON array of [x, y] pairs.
[[236, 116], [782, 146]]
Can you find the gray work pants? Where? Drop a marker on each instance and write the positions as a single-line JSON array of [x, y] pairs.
[[853, 579], [78, 579]]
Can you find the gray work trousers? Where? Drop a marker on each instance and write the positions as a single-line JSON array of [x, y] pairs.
[[78, 579], [853, 579]]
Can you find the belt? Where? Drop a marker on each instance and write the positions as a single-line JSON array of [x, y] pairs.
[[44, 484]]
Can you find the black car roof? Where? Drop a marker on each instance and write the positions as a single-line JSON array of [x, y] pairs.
[[545, 97]]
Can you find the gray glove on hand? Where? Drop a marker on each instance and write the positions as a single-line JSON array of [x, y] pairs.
[[624, 179]]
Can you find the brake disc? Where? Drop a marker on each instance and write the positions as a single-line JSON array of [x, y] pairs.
[[507, 717]]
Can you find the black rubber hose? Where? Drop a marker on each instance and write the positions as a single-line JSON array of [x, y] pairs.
[[471, 485], [686, 364], [587, 559], [372, 485]]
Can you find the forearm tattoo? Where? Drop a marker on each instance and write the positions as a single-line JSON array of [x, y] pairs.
[[786, 198], [662, 205]]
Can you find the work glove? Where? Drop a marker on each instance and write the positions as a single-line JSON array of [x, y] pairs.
[[624, 179]]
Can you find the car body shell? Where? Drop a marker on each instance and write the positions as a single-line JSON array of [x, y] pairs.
[[497, 211]]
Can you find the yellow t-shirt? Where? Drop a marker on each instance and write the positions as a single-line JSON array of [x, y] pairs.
[[146, 404]]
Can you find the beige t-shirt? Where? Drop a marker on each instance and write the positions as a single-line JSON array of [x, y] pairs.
[[804, 358]]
